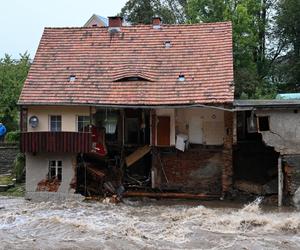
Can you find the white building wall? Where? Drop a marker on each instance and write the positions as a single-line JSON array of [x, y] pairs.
[[69, 116], [202, 125]]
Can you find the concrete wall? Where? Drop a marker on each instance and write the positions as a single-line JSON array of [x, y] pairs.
[[37, 167], [284, 133], [69, 116], [202, 125]]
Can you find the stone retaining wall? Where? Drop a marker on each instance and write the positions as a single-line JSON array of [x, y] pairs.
[[8, 153]]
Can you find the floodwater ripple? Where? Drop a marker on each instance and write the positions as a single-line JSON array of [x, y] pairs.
[[144, 225]]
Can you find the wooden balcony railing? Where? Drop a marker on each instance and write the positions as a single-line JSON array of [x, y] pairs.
[[56, 142]]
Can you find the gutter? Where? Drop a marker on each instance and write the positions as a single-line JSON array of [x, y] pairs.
[[134, 106]]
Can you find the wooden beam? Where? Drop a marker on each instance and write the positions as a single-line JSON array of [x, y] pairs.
[[137, 154]]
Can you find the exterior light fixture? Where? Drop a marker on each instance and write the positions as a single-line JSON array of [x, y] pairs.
[[34, 121]]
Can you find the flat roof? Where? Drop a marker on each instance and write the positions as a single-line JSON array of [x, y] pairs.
[[266, 104]]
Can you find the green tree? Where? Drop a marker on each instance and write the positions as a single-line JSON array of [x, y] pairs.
[[287, 70], [250, 23], [142, 11], [12, 76]]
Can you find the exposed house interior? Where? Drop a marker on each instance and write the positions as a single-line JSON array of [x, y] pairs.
[[145, 150], [254, 162]]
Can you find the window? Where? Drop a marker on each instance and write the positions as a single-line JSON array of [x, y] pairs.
[[181, 77], [55, 170], [82, 123], [55, 123], [72, 78], [263, 123]]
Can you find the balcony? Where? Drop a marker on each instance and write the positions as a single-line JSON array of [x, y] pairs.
[[56, 142]]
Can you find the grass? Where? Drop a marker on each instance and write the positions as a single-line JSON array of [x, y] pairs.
[[18, 189], [6, 179]]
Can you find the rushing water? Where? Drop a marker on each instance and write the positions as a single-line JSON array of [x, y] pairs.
[[145, 225]]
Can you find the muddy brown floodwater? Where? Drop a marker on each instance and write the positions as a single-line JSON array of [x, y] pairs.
[[145, 225]]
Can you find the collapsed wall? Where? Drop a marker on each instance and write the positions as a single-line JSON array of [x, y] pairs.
[[283, 133]]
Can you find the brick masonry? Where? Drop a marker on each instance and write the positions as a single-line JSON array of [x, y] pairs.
[[291, 167], [8, 153], [193, 171], [227, 172]]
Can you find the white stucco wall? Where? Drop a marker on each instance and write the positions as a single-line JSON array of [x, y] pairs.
[[37, 167], [69, 116], [202, 125]]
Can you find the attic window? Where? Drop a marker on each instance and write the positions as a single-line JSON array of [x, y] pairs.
[[72, 78], [95, 25], [131, 78], [167, 44], [181, 77]]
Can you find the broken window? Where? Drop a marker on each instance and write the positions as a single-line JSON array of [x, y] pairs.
[[55, 123], [263, 123], [82, 123], [55, 170]]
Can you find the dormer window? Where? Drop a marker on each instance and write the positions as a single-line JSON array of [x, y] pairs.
[[168, 44], [72, 78], [132, 78]]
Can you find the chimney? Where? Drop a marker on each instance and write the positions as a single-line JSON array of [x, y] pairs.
[[156, 21], [115, 21]]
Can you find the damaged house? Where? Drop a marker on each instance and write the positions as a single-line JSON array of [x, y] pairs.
[[130, 110], [267, 148]]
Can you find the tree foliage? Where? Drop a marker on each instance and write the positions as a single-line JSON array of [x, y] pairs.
[[287, 31], [142, 11], [12, 76], [250, 23]]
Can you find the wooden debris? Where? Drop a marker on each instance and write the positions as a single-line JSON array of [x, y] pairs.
[[93, 170], [170, 195], [137, 154], [48, 185], [249, 187]]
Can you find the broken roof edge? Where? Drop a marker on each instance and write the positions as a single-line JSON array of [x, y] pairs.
[[220, 106]]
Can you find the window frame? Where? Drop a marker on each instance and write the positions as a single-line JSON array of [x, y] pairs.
[[50, 122], [263, 123], [56, 167], [77, 122]]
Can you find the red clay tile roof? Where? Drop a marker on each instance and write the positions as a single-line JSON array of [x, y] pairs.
[[99, 60]]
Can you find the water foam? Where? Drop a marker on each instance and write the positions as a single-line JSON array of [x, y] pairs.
[[140, 225]]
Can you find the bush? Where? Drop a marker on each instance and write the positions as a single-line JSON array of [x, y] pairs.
[[12, 136], [19, 167]]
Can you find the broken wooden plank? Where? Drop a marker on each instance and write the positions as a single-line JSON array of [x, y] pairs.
[[95, 171], [137, 154], [170, 195]]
